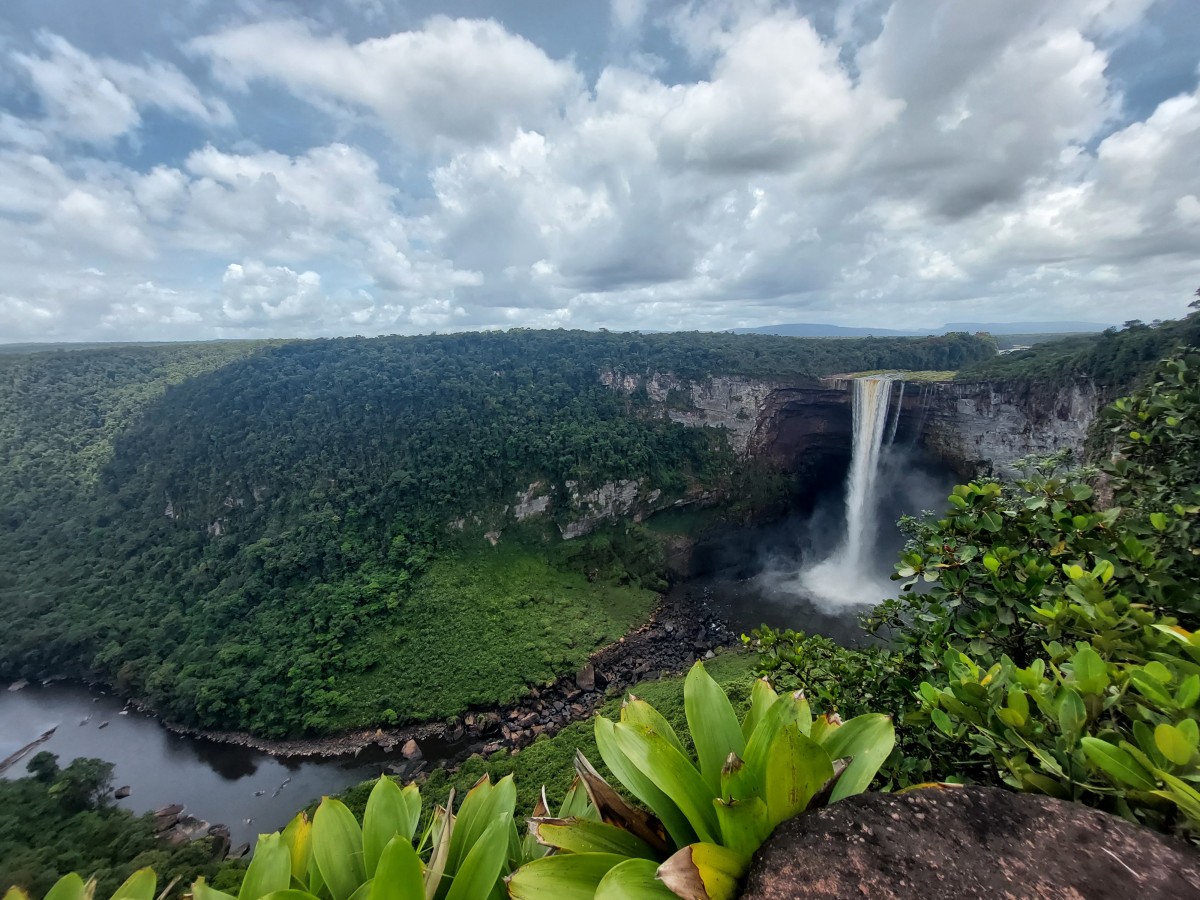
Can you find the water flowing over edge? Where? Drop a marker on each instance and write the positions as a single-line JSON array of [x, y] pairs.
[[843, 580]]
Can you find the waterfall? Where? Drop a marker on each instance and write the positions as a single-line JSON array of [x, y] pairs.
[[845, 578], [871, 396], [896, 415]]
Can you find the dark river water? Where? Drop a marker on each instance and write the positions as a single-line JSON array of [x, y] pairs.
[[215, 782]]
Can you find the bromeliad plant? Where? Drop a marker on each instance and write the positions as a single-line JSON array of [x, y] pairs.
[[332, 857], [138, 886], [707, 812]]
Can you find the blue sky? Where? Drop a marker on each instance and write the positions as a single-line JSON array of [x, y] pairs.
[[206, 169]]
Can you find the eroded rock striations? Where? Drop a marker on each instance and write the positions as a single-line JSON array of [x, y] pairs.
[[949, 844], [986, 426]]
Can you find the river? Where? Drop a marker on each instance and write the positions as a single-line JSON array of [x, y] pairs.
[[247, 790]]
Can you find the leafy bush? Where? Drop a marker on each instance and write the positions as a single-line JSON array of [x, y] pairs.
[[1043, 632]]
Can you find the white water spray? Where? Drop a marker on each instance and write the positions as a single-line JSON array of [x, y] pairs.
[[845, 579]]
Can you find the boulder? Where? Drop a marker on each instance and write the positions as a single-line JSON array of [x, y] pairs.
[[411, 749], [585, 680], [947, 844], [122, 792]]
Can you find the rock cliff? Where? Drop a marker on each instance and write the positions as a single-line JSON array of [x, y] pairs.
[[980, 426]]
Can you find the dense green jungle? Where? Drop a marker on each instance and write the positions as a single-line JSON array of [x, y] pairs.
[[1052, 646], [255, 536]]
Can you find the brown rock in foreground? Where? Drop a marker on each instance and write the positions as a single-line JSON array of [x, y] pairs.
[[951, 844]]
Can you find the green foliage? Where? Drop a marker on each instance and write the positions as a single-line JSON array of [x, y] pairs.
[[850, 682], [1077, 725], [60, 820], [306, 575], [1157, 468], [711, 803], [1044, 638], [1115, 360]]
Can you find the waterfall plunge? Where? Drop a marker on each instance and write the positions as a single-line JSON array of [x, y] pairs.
[[845, 579]]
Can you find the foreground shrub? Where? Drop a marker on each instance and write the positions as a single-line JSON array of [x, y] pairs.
[[708, 804]]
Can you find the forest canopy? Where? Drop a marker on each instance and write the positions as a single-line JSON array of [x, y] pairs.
[[255, 536]]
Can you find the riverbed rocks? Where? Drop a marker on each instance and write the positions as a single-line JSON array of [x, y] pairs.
[[946, 844]]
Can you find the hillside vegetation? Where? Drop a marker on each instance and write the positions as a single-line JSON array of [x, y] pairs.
[[1116, 360], [265, 544]]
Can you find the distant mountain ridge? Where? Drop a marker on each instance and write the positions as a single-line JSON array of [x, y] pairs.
[[806, 329]]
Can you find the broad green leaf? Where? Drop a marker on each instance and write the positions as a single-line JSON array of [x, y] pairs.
[[991, 521], [337, 848], [704, 871], [673, 772], [1071, 715], [1125, 770], [1186, 797], [1191, 731], [200, 891], [1089, 671], [713, 724], [789, 708], [640, 785], [441, 830], [69, 887], [290, 894], [270, 869], [399, 874], [479, 810], [634, 879], [797, 767], [1173, 744], [1189, 692], [140, 885], [15, 893], [868, 741], [388, 814], [484, 862], [564, 876], [586, 836], [298, 838], [639, 712], [745, 824], [762, 698]]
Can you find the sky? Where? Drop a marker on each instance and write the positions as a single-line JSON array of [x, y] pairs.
[[242, 168]]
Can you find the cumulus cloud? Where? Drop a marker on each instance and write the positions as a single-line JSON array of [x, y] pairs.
[[97, 99], [454, 79], [898, 163]]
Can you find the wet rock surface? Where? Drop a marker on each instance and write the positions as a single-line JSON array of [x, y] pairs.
[[948, 844]]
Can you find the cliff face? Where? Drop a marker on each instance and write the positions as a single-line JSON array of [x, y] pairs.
[[987, 427], [803, 424]]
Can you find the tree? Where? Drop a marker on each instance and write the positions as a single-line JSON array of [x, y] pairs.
[[84, 784], [43, 767]]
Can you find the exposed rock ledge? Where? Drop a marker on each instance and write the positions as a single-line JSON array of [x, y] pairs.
[[949, 844]]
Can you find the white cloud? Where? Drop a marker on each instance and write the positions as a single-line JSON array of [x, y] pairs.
[[97, 100], [915, 162], [253, 293], [454, 79]]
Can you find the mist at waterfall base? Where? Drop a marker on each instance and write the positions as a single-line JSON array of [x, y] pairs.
[[798, 572]]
